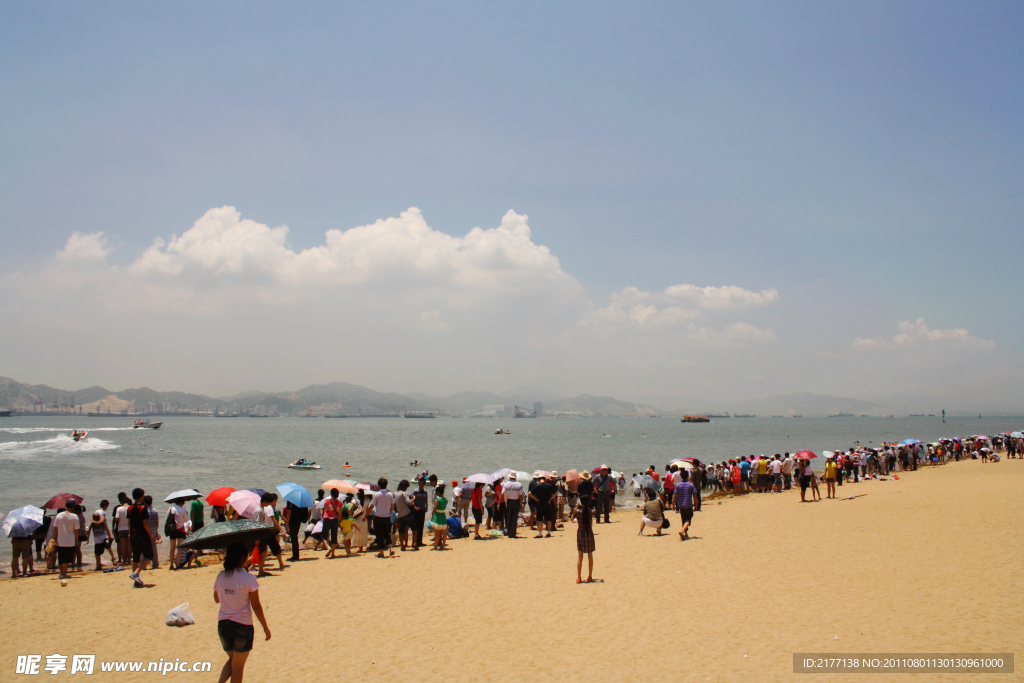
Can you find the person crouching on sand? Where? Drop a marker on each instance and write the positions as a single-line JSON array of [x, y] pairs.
[[238, 594]]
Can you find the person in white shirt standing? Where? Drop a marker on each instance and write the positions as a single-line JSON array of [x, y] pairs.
[[775, 469], [512, 491], [382, 503], [176, 514], [66, 526], [787, 472]]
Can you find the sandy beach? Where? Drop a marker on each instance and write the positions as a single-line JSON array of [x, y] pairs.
[[919, 565]]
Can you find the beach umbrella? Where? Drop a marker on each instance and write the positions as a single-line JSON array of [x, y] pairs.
[[596, 470], [219, 497], [480, 479], [1017, 435], [258, 492], [184, 494], [296, 495], [910, 442], [221, 534], [804, 455], [502, 473], [646, 481], [367, 486], [23, 521], [981, 438], [523, 476], [59, 501], [827, 454], [245, 502], [342, 485]]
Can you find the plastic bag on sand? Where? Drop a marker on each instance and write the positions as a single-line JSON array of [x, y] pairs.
[[180, 616]]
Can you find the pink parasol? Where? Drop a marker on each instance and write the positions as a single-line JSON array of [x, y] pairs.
[[804, 455]]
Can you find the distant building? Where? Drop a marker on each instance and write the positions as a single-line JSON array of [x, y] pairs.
[[496, 410], [538, 408]]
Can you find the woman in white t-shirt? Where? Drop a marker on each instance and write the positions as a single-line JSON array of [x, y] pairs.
[[180, 520], [238, 594]]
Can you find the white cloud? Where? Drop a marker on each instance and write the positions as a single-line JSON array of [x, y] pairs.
[[91, 247], [727, 298], [391, 255], [912, 333]]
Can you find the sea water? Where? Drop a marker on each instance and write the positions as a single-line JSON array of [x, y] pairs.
[[39, 459]]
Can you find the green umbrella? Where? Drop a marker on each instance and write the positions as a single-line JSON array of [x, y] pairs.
[[221, 534]]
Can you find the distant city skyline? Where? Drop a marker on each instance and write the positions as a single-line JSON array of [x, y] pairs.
[[724, 202]]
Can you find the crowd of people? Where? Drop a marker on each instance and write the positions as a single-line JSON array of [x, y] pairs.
[[376, 518]]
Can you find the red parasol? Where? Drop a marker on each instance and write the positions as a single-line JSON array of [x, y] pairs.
[[804, 455], [59, 501], [220, 496]]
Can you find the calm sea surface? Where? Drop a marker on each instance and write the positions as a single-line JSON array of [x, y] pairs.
[[39, 458]]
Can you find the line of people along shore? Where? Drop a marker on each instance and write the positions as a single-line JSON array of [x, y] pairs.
[[349, 524]]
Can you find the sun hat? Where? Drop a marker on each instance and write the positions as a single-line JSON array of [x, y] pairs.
[[513, 476], [585, 475], [605, 467]]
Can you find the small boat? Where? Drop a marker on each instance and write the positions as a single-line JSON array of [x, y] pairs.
[[502, 431], [303, 465], [139, 424], [79, 435]]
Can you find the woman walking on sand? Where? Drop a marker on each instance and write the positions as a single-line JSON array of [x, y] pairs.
[[238, 594], [584, 539]]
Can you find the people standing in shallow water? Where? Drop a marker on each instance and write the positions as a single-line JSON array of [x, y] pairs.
[[585, 544]]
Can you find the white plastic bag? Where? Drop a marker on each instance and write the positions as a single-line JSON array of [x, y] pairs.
[[180, 616]]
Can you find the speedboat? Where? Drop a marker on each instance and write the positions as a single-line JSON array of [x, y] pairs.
[[303, 465], [139, 424]]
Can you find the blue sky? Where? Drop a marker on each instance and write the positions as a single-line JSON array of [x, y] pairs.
[[864, 160]]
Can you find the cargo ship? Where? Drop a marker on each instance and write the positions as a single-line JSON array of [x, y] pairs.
[[695, 418]]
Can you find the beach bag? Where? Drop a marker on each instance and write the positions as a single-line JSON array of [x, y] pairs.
[[169, 526], [51, 547], [180, 616], [664, 516]]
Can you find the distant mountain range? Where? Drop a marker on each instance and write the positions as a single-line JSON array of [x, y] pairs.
[[350, 399]]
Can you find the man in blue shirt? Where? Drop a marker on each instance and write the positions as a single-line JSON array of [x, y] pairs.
[[745, 475], [682, 496]]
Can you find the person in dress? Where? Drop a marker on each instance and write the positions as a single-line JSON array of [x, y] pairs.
[[238, 594], [438, 518], [584, 538]]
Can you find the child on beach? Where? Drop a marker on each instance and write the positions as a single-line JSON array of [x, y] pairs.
[[347, 524], [584, 539], [439, 519], [238, 594]]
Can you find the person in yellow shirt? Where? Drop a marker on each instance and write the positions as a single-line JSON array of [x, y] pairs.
[[762, 475], [347, 525], [830, 476]]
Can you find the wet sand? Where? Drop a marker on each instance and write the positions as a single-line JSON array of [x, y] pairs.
[[929, 563]]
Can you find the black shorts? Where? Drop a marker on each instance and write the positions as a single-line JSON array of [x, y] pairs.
[[99, 548], [177, 534], [744, 476], [235, 637], [405, 523], [66, 555], [545, 513], [274, 547], [804, 483], [142, 547], [478, 515], [686, 514]]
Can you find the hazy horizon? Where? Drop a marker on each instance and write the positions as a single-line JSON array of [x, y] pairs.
[[676, 200]]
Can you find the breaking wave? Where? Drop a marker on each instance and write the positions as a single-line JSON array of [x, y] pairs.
[[61, 444]]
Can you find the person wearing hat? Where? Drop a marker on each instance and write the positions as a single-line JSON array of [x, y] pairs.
[[512, 492], [604, 485]]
